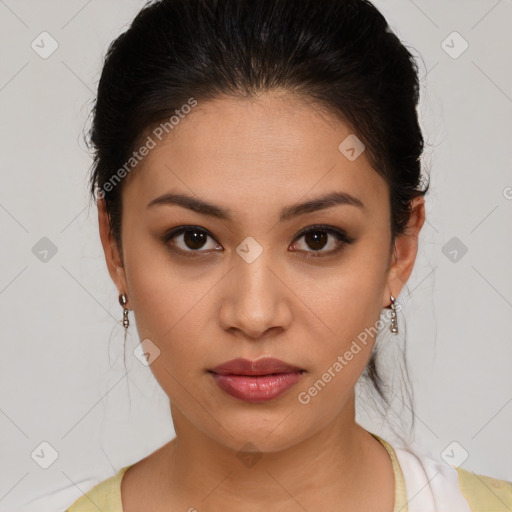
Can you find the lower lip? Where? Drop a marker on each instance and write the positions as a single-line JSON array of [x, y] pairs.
[[257, 388]]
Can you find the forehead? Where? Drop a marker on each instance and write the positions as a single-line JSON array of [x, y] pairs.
[[276, 148]]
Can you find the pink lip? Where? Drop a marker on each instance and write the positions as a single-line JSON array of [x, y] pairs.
[[262, 366], [256, 381]]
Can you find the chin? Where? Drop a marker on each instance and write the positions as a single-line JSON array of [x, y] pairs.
[[251, 437]]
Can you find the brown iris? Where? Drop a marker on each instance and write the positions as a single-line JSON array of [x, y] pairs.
[[316, 239]]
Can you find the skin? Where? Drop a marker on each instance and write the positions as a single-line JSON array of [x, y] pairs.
[[255, 157]]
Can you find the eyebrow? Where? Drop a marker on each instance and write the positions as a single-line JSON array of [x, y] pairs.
[[287, 213]]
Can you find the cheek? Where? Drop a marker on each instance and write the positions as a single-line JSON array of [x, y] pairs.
[[167, 311], [350, 306], [340, 358], [170, 310], [351, 299], [161, 297]]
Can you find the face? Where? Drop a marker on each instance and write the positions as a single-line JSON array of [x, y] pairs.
[[241, 279]]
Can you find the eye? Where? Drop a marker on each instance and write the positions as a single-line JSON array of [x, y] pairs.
[[319, 237], [193, 240], [190, 240]]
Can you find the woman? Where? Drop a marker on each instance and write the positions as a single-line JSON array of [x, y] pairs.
[[260, 198]]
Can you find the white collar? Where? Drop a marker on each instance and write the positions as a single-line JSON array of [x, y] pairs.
[[431, 485]]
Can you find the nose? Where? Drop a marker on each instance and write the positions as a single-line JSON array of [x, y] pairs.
[[255, 300]]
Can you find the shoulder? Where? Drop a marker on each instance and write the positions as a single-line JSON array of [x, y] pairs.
[[106, 495], [433, 484], [485, 493]]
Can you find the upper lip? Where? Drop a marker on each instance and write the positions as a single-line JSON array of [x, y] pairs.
[[264, 366]]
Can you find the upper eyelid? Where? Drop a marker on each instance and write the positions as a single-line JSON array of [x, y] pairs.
[[337, 232], [320, 227]]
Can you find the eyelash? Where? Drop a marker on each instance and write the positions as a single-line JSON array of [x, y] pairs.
[[342, 237]]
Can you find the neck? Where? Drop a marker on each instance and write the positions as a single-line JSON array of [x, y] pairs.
[[330, 466]]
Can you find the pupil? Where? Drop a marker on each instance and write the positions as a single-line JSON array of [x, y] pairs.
[[316, 239], [194, 239]]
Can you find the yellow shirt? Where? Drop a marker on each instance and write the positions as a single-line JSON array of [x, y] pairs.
[[483, 493]]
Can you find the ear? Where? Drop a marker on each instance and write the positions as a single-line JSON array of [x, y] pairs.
[[404, 252], [112, 255]]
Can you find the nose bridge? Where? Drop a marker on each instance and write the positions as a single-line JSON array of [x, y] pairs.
[[256, 299]]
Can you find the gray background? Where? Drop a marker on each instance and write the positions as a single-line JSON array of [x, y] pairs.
[[62, 374]]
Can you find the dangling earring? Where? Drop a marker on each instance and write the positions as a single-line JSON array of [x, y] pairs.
[[123, 300], [394, 324]]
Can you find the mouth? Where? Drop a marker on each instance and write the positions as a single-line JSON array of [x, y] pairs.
[[256, 381]]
